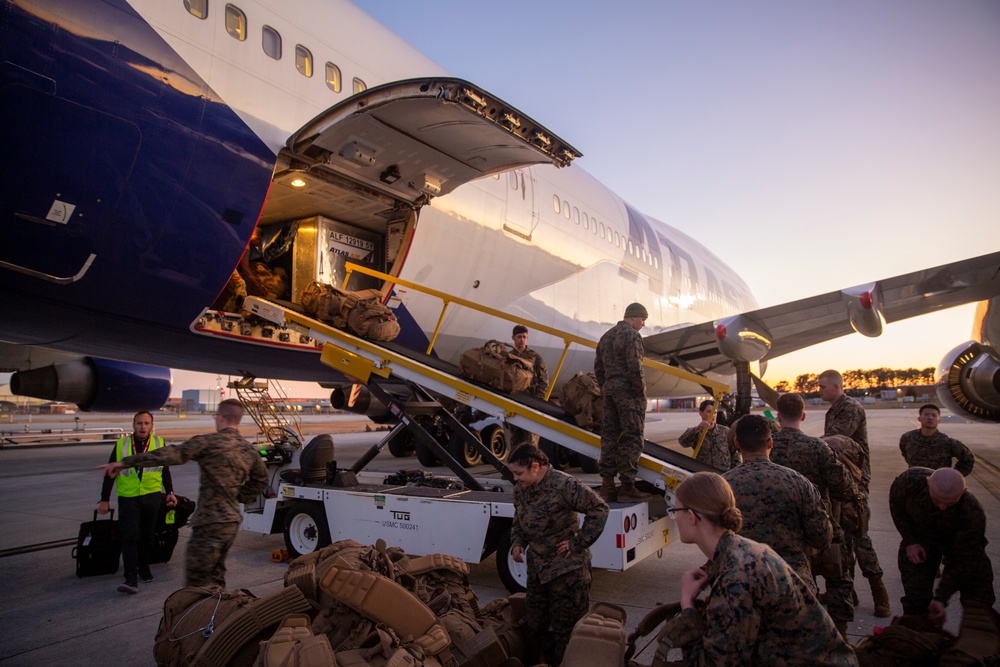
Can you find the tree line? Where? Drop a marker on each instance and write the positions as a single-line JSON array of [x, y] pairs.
[[875, 378]]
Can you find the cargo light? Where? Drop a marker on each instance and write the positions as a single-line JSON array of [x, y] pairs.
[[298, 183]]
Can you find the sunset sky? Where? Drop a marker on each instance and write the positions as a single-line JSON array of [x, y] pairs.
[[813, 146]]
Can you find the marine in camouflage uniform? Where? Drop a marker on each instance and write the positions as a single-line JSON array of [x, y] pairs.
[[760, 613], [715, 448], [545, 515], [955, 536], [936, 451], [618, 367], [781, 509], [231, 473], [814, 460], [927, 447], [539, 379], [847, 417]]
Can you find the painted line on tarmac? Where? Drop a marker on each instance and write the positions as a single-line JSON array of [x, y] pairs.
[[988, 475], [16, 551]]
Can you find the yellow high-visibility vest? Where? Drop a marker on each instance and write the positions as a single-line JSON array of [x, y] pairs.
[[127, 482]]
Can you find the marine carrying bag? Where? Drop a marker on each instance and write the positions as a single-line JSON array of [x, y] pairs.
[[494, 365]]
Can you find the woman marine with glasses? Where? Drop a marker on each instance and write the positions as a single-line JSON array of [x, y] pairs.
[[758, 611]]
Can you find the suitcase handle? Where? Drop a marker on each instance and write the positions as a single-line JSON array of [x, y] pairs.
[[111, 516]]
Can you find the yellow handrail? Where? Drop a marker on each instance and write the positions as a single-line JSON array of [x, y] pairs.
[[718, 388]]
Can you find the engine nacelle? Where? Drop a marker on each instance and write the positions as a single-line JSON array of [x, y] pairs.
[[741, 339], [97, 385], [968, 382], [864, 309]]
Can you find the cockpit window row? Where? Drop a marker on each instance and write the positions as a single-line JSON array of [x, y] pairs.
[[591, 223], [237, 27]]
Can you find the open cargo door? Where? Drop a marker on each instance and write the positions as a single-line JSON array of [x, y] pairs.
[[396, 146]]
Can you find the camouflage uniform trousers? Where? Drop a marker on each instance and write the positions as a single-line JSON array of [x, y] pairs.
[[975, 580], [558, 605], [860, 548], [839, 603], [622, 435], [206, 553]]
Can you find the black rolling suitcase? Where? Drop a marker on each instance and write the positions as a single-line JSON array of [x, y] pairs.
[[168, 522], [98, 547]]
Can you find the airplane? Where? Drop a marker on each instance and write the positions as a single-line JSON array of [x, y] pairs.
[[146, 140]]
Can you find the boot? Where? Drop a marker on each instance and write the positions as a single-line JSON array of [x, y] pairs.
[[880, 596], [627, 493], [608, 492]]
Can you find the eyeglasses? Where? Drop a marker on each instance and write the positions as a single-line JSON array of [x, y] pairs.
[[673, 510]]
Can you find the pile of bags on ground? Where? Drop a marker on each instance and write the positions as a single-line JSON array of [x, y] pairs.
[[361, 313], [347, 604]]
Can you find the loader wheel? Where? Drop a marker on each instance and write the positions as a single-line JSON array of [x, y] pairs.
[[465, 454], [495, 438], [425, 455], [402, 445], [306, 529], [560, 457], [514, 575]]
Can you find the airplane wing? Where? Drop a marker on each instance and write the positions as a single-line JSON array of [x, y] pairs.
[[770, 332]]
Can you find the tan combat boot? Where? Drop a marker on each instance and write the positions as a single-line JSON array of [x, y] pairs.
[[880, 596], [627, 493], [608, 492]]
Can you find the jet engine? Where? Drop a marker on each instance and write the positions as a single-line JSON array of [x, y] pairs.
[[968, 382], [97, 385]]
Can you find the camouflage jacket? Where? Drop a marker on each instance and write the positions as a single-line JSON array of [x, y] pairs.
[[781, 509], [847, 417], [231, 472], [814, 460], [715, 449], [540, 378], [760, 613], [936, 451], [618, 363], [958, 533], [546, 514]]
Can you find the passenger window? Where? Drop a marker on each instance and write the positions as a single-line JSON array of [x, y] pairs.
[[618, 239], [359, 86], [603, 232], [303, 60], [271, 42], [236, 22], [566, 211], [197, 8], [512, 180], [555, 203], [576, 214], [586, 220], [333, 78]]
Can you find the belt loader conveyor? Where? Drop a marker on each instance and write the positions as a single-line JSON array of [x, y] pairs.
[[470, 520]]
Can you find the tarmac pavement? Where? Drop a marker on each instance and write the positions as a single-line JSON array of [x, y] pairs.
[[51, 617]]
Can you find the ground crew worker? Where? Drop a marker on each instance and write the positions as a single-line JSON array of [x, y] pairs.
[[780, 507], [814, 460], [715, 448], [231, 473], [546, 507], [618, 367], [539, 379], [847, 417], [758, 612], [939, 521], [927, 447], [140, 495]]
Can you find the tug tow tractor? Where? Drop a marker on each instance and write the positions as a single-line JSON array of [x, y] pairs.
[[465, 516]]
